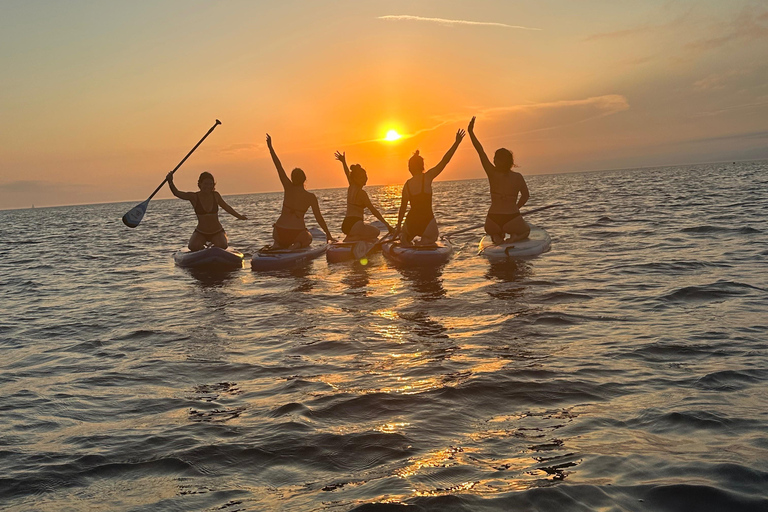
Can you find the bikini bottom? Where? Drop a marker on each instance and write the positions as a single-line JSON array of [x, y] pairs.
[[209, 236], [285, 237], [349, 223], [501, 219]]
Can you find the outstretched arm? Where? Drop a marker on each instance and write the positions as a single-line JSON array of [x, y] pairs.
[[320, 220], [403, 207], [436, 170], [374, 211], [189, 196], [284, 179], [227, 208], [487, 166], [342, 157]]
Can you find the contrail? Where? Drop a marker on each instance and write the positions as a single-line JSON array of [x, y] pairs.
[[442, 21]]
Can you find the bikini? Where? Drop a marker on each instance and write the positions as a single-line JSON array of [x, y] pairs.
[[199, 210], [420, 214], [285, 237], [350, 220], [501, 219]]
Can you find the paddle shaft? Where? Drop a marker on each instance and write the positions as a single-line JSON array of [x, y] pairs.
[[217, 123], [481, 225]]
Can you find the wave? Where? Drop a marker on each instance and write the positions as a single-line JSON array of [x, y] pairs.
[[745, 230], [707, 292]]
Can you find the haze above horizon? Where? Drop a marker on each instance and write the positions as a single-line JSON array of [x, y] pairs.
[[100, 100]]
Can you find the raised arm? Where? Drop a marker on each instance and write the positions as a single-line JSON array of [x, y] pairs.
[[487, 165], [436, 170], [374, 211], [320, 220], [189, 196], [342, 157], [220, 200], [284, 179]]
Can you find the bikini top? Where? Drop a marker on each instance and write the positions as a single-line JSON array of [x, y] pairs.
[[351, 204], [422, 200], [202, 211]]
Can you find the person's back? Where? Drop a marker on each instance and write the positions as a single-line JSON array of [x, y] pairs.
[[296, 202], [509, 192], [289, 229], [505, 188]]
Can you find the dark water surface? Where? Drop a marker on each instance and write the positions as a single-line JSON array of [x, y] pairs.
[[627, 369]]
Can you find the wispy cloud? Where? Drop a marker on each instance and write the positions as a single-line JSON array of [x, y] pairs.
[[748, 26], [552, 115], [234, 149], [451, 23], [602, 105]]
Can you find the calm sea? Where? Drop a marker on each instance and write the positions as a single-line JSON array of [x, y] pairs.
[[627, 369]]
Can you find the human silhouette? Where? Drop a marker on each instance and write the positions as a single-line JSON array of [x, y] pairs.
[[289, 231], [206, 203], [417, 191], [354, 225], [509, 193]]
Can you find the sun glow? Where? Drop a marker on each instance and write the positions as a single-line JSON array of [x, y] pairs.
[[392, 135]]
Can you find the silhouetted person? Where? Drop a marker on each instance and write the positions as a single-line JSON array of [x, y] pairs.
[[354, 225], [206, 203], [508, 193], [417, 191], [289, 230]]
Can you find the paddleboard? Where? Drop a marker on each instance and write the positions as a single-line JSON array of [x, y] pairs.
[[538, 242], [418, 255], [276, 259], [348, 251], [210, 257]]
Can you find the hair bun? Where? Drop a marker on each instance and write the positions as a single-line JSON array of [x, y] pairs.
[[416, 153]]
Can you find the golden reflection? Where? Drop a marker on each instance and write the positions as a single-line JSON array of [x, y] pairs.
[[439, 459], [392, 428], [458, 488]]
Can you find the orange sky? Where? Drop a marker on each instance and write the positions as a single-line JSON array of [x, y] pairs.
[[101, 99]]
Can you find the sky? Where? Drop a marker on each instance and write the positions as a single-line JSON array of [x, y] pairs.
[[100, 99]]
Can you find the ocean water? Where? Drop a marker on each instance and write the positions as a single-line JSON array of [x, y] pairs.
[[627, 369]]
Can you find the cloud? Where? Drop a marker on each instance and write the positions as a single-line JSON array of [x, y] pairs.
[[534, 117], [716, 81], [749, 25], [602, 105], [234, 149], [451, 23], [646, 29]]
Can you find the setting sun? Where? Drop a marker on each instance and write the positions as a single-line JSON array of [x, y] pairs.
[[392, 135]]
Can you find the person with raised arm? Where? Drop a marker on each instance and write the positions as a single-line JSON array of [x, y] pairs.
[[354, 226], [289, 231], [509, 193], [417, 191], [206, 203]]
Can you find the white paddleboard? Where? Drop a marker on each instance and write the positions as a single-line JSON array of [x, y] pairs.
[[210, 257], [348, 251], [268, 259], [538, 242], [430, 255]]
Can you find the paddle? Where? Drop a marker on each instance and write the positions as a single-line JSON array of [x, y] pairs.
[[133, 217], [478, 226]]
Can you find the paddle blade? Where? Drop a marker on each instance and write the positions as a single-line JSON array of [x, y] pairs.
[[133, 217], [360, 250]]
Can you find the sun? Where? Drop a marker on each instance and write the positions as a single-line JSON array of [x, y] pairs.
[[392, 135]]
